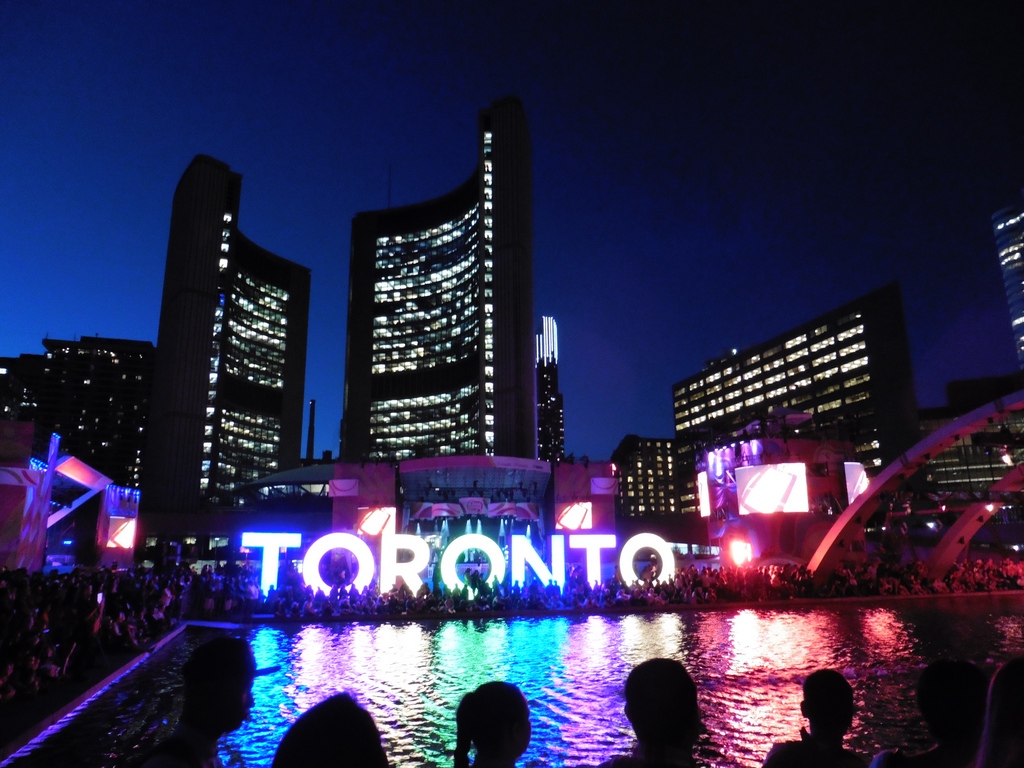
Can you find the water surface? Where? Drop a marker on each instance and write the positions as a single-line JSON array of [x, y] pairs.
[[748, 664]]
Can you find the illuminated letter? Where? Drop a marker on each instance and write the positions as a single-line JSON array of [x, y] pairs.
[[323, 545], [593, 543], [450, 576], [523, 553], [270, 543], [649, 541], [391, 569]]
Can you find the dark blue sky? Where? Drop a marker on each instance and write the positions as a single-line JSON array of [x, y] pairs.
[[707, 174]]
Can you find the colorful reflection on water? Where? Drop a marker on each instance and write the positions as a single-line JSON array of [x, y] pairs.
[[749, 665]]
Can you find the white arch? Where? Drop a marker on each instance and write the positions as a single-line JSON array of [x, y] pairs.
[[834, 547]]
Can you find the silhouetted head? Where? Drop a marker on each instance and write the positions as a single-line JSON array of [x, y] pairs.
[[1002, 740], [828, 703], [951, 696], [218, 685], [494, 718], [336, 732], [661, 704]]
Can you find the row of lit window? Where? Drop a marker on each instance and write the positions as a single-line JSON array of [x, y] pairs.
[[699, 418], [1010, 222], [426, 234], [266, 316], [269, 294], [696, 386]]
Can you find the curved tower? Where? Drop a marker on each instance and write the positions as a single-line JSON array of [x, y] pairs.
[[231, 352], [439, 358]]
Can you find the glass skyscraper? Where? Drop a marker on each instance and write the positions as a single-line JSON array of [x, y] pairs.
[[1008, 227], [439, 357], [231, 353]]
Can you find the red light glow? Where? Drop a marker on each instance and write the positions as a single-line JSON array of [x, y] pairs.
[[740, 551]]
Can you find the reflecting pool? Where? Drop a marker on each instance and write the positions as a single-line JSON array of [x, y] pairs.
[[748, 664]]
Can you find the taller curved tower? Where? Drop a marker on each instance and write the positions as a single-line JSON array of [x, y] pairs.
[[439, 357]]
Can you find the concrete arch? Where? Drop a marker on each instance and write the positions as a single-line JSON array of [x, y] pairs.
[[957, 538], [835, 546]]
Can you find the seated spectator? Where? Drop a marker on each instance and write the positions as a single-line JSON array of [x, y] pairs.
[[1002, 738], [828, 707], [336, 732], [661, 705], [951, 697], [495, 719]]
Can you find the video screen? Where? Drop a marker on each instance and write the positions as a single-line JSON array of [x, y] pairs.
[[772, 488], [856, 480]]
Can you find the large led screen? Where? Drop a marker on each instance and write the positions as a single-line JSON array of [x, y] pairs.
[[771, 488], [856, 480]]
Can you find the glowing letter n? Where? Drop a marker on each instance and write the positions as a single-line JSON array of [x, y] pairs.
[[593, 543], [523, 553]]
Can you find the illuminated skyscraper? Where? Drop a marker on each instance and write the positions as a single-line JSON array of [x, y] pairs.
[[550, 412], [1008, 226], [231, 352], [439, 357]]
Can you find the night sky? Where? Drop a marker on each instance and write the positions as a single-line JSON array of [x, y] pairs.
[[706, 174]]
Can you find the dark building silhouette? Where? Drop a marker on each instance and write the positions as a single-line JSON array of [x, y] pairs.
[[550, 410], [17, 400], [231, 352], [95, 394], [439, 358], [646, 467], [1008, 228], [850, 368]]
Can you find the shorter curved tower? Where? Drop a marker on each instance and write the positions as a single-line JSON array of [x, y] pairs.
[[231, 352], [439, 358]]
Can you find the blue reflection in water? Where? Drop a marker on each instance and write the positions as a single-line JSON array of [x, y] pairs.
[[748, 664]]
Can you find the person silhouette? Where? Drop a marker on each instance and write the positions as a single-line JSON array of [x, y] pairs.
[[495, 718], [1002, 739], [951, 697], [828, 707], [218, 696], [661, 706], [336, 732]]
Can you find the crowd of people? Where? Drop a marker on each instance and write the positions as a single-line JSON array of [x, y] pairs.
[[54, 626], [689, 586], [974, 723]]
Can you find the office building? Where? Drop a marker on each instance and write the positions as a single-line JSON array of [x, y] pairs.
[[646, 468], [94, 393], [1008, 227], [849, 368], [550, 412], [439, 356], [231, 352]]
